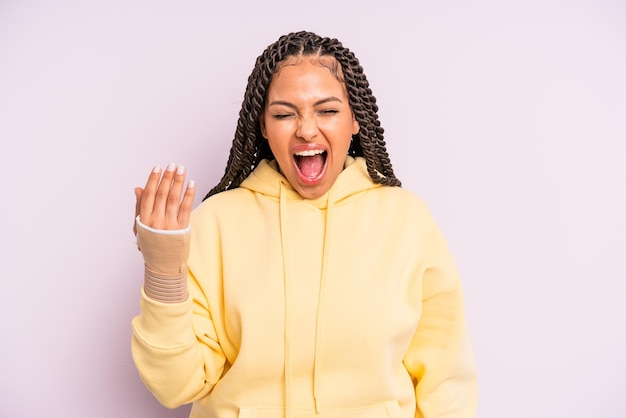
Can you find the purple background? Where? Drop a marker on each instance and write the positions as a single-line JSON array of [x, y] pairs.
[[509, 118]]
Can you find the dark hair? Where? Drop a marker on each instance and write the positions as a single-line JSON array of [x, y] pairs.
[[249, 147]]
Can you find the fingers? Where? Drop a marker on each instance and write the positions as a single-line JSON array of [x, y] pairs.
[[173, 199], [187, 204], [162, 196], [165, 203], [146, 204]]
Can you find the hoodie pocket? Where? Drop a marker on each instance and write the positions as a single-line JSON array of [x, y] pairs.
[[389, 409]]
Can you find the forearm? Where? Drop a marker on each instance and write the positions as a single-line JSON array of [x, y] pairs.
[[174, 363], [170, 359]]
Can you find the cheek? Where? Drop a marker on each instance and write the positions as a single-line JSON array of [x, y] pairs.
[[277, 130], [337, 129]]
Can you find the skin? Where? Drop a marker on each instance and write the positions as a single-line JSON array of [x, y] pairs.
[[307, 108]]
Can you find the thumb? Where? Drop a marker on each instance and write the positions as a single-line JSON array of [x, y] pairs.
[[138, 194]]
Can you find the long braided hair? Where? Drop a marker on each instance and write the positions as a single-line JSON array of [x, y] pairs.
[[249, 147]]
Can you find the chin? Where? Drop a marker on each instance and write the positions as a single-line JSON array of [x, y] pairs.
[[312, 192]]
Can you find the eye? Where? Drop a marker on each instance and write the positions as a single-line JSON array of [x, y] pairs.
[[280, 116], [329, 111]]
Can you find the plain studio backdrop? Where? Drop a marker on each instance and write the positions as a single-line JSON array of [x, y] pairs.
[[507, 117]]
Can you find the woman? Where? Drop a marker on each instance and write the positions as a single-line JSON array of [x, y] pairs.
[[307, 283]]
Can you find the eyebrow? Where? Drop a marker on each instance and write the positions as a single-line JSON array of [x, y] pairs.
[[319, 102]]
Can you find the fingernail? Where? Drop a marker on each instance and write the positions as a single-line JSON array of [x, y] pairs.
[[171, 167], [191, 184], [181, 169], [156, 169]]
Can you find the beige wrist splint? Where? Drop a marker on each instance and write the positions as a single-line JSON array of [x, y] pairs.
[[165, 288], [165, 257]]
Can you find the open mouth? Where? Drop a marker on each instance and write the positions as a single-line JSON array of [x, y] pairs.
[[311, 164]]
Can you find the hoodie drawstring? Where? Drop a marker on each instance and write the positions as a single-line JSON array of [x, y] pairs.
[[320, 304], [287, 319]]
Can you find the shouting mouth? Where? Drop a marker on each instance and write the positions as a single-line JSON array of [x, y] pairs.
[[310, 164]]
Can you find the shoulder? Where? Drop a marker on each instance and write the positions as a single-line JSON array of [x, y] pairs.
[[224, 199], [403, 205], [398, 195], [222, 203]]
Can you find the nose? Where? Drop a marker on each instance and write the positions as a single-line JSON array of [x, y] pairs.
[[307, 128]]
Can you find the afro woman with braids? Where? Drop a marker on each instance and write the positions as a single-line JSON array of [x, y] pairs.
[[307, 283]]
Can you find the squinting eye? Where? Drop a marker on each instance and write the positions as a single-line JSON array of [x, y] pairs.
[[329, 111], [281, 116]]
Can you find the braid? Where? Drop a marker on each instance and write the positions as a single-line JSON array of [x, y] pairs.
[[249, 147], [369, 142]]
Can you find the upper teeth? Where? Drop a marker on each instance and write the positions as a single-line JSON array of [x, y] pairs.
[[308, 153]]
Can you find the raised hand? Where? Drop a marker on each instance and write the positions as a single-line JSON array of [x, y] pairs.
[[165, 203]]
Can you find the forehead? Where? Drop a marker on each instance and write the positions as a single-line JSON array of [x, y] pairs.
[[306, 73], [317, 60], [305, 82]]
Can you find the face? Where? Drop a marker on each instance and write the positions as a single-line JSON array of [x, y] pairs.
[[308, 123]]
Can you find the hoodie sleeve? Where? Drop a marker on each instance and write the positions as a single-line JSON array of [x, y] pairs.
[[175, 347], [440, 356]]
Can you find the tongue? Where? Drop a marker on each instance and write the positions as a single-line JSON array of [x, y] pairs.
[[311, 167]]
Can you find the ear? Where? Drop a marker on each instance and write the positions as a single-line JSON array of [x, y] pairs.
[[355, 126]]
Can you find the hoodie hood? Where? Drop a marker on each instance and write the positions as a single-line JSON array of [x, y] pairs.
[[267, 180]]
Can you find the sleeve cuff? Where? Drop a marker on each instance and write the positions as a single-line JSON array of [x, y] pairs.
[[164, 325]]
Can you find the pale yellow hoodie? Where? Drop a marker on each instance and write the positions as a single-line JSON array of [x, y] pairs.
[[346, 306]]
